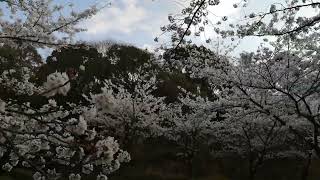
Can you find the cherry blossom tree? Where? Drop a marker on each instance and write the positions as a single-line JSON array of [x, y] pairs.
[[192, 120], [263, 105], [276, 88], [54, 141], [128, 109], [39, 22], [283, 18], [271, 100]]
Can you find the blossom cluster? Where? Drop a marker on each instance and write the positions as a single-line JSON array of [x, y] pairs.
[[57, 83], [55, 140]]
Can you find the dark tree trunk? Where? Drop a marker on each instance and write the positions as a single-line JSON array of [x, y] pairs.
[[305, 172]]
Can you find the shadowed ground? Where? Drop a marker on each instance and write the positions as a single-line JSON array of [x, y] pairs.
[[158, 162]]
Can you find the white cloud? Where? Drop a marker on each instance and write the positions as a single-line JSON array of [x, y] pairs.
[[125, 19], [149, 47], [216, 13], [225, 8]]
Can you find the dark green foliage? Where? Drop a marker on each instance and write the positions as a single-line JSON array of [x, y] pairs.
[[189, 58], [130, 58], [69, 60], [120, 61], [15, 58]]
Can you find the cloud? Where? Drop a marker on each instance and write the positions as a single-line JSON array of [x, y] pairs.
[[136, 22], [225, 8], [149, 47], [216, 13], [124, 19]]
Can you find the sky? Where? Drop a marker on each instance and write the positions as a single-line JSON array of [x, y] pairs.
[[135, 22], [138, 22], [130, 21]]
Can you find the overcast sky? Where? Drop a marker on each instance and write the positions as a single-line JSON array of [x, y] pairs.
[[138, 22], [132, 21]]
